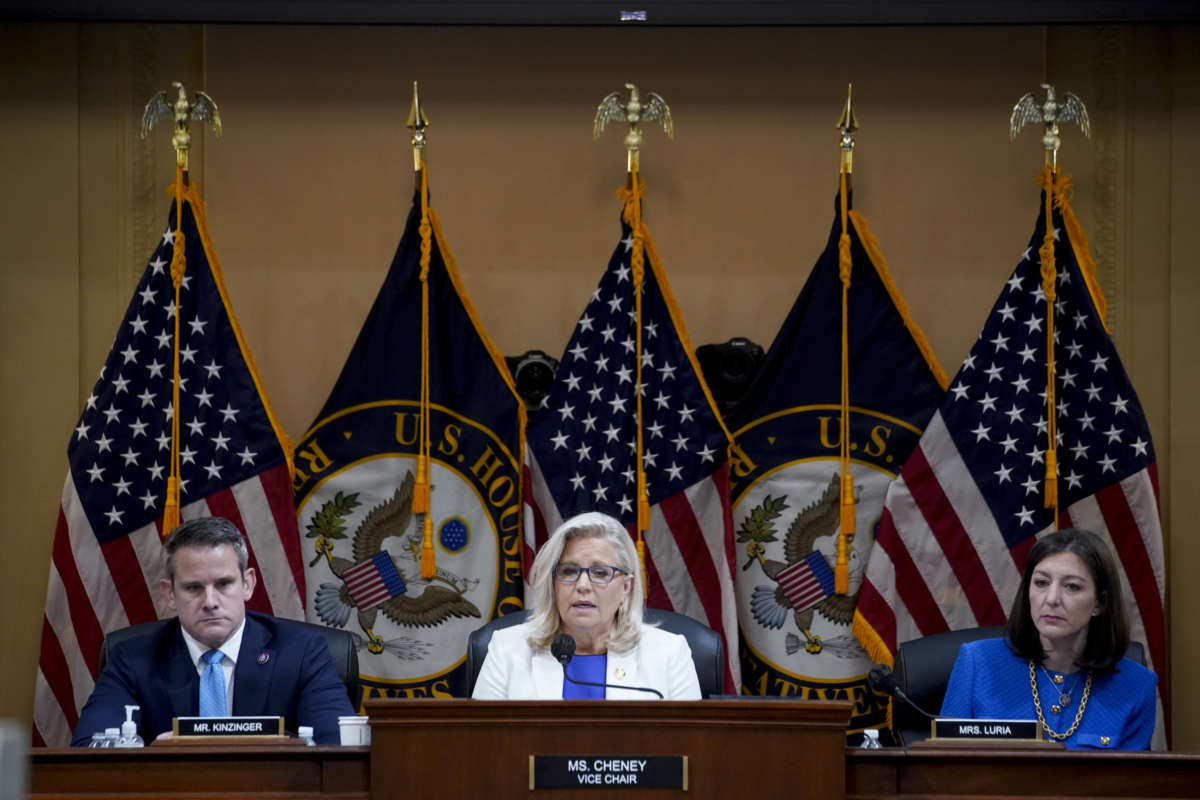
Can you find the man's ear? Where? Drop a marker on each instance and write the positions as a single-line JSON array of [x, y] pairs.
[[164, 586], [251, 580]]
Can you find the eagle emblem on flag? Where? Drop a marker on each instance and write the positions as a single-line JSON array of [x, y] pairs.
[[803, 581], [376, 581]]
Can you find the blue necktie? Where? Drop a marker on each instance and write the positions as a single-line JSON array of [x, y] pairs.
[[212, 685]]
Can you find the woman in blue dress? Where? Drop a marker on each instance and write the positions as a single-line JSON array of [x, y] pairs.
[[1061, 660]]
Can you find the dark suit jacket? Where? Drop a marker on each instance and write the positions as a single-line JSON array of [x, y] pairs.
[[282, 670]]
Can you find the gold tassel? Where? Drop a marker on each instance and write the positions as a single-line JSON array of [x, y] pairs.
[[171, 511], [1052, 481], [841, 571], [420, 502], [428, 559], [641, 551], [1048, 274], [171, 508], [848, 505]]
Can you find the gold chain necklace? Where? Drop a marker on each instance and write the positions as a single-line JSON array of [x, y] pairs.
[[1037, 704]]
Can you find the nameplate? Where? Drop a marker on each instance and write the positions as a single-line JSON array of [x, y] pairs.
[[608, 772], [1013, 730], [228, 726]]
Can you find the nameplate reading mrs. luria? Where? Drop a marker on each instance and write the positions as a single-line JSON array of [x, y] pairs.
[[228, 726], [608, 772], [1018, 730]]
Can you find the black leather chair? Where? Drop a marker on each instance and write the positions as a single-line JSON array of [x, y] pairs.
[[708, 652], [341, 648], [923, 669]]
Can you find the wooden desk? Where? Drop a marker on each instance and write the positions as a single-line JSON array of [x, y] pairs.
[[930, 772], [465, 748], [345, 774], [208, 771]]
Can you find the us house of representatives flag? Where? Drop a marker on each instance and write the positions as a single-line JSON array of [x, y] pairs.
[[970, 502], [582, 445], [107, 554], [358, 480], [796, 630]]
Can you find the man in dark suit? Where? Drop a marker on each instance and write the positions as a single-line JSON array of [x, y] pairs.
[[262, 665]]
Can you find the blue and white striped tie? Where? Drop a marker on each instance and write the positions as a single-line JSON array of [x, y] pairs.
[[212, 685]]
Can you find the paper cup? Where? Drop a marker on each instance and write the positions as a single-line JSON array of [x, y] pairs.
[[355, 731]]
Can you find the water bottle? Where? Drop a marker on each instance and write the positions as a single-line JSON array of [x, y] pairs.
[[871, 740], [305, 732], [111, 735], [97, 739]]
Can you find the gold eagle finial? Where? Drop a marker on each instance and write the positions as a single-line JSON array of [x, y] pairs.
[[201, 108], [1050, 113], [633, 113]]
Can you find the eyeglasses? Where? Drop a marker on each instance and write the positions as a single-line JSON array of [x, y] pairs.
[[598, 574]]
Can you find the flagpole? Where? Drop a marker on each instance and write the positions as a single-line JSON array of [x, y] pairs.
[[848, 125], [633, 113], [1050, 113], [203, 109]]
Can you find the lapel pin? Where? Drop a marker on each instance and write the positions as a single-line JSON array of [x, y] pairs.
[[619, 674], [264, 657]]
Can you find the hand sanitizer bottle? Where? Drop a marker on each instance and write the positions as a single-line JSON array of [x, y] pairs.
[[305, 732], [129, 734]]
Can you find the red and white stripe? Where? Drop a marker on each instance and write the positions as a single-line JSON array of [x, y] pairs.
[[800, 585], [689, 553], [95, 589], [365, 585]]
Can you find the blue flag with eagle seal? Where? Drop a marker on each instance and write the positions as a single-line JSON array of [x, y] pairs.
[[797, 636], [356, 471]]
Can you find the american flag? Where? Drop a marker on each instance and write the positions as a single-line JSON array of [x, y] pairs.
[[960, 520], [808, 581], [107, 553], [582, 446], [373, 581]]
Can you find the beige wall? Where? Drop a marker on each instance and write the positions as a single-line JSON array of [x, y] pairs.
[[308, 190]]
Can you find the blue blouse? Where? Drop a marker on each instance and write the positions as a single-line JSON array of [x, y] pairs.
[[989, 681], [585, 668]]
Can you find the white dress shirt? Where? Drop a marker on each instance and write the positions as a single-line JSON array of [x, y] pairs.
[[229, 650]]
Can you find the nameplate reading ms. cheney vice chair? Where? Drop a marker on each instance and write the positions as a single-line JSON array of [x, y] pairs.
[[340, 643], [708, 652], [922, 671]]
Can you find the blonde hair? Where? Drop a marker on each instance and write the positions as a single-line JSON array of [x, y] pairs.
[[627, 625]]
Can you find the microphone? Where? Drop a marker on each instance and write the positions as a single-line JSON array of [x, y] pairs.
[[882, 681], [563, 650]]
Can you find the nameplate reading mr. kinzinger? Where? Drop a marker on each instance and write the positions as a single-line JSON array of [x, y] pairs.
[[228, 726]]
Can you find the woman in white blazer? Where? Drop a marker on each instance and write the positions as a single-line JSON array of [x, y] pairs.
[[585, 583]]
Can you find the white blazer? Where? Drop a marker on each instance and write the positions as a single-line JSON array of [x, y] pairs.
[[514, 671]]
